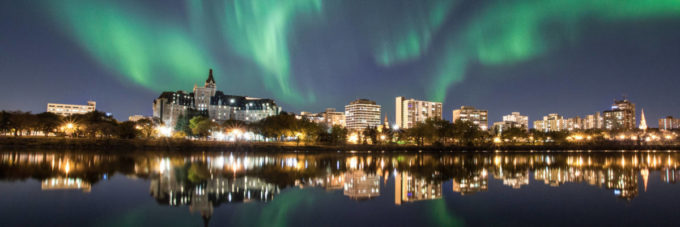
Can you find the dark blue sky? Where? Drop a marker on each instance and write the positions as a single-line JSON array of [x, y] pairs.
[[532, 56]]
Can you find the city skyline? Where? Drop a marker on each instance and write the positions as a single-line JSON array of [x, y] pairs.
[[324, 59]]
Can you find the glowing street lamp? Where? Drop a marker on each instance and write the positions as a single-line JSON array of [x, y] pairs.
[[164, 131]]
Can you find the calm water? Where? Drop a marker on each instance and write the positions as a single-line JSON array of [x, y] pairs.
[[338, 189]]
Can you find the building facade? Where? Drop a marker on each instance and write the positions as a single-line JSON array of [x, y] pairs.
[[621, 116], [71, 109], [410, 111], [516, 117], [593, 121], [476, 116], [209, 101], [362, 113], [551, 123], [333, 117], [669, 123], [513, 120]]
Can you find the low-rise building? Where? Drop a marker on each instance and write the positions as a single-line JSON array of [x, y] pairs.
[[476, 116], [669, 123], [70, 109], [138, 117]]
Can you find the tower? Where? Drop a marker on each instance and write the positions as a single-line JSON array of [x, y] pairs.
[[643, 121], [202, 95], [210, 82]]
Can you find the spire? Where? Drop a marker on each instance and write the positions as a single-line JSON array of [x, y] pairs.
[[643, 121], [387, 122], [211, 79]]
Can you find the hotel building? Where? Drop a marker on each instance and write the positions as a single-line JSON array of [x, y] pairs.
[[169, 106], [362, 113], [70, 109], [469, 113], [410, 111]]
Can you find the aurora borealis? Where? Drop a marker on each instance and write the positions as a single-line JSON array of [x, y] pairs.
[[503, 56]]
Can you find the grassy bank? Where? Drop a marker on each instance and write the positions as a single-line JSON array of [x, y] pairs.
[[182, 145]]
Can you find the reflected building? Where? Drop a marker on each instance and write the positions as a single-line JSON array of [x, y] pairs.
[[670, 175], [472, 183], [65, 183], [409, 188], [515, 180], [359, 185]]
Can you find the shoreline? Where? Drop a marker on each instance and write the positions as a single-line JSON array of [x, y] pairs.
[[191, 146]]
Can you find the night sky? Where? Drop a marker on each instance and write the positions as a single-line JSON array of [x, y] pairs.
[[572, 57]]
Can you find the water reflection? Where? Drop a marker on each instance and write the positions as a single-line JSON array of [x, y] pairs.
[[205, 181]]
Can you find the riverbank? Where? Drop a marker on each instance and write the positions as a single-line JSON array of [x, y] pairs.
[[182, 145]]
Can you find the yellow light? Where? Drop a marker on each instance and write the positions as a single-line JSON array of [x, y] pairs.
[[497, 140], [382, 137], [69, 125], [353, 138], [164, 131]]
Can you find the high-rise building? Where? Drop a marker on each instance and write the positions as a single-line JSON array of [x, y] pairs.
[[410, 111], [669, 123], [621, 115], [469, 113], [551, 123], [207, 100], [70, 109], [362, 113]]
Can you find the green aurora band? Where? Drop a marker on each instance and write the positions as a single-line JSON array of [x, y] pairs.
[[259, 30], [148, 52], [510, 32], [407, 33], [161, 53]]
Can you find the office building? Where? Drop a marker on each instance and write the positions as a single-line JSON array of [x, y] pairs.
[[669, 123], [621, 115], [70, 109], [207, 100], [551, 123], [514, 120], [362, 113], [469, 113], [515, 117], [410, 111], [333, 117], [593, 121], [574, 123]]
